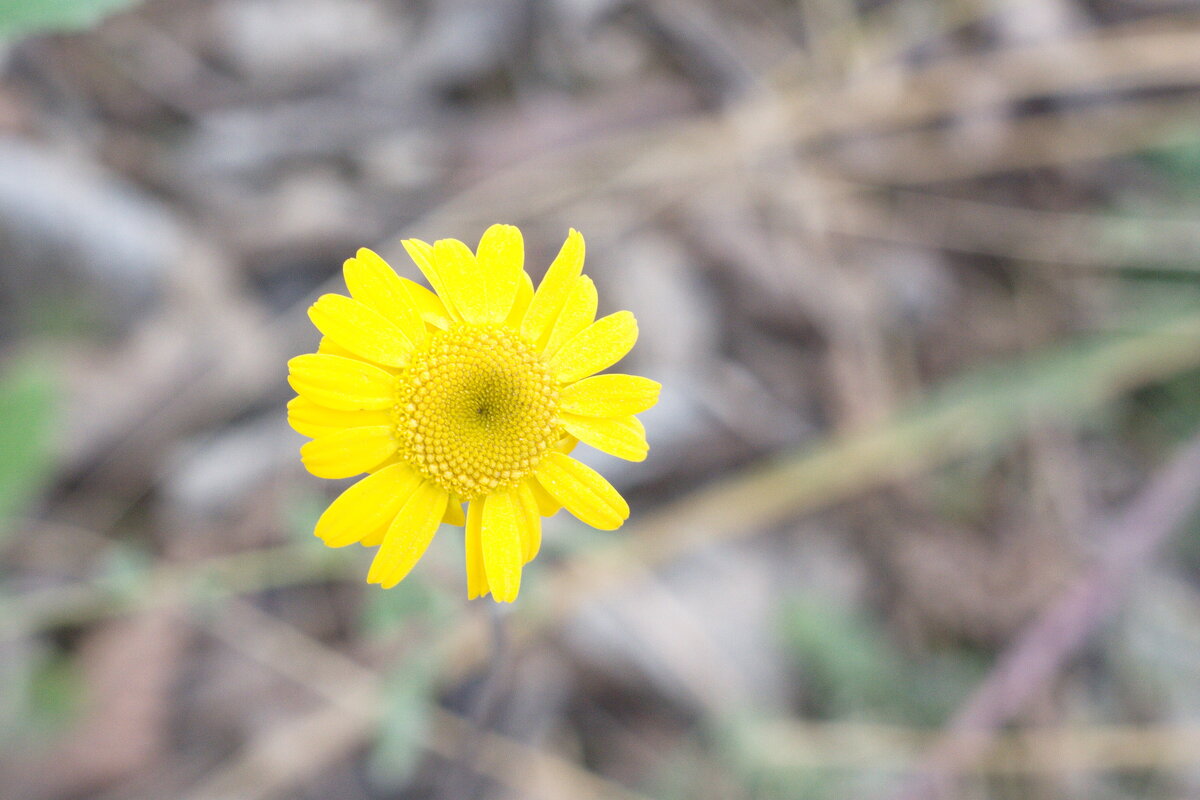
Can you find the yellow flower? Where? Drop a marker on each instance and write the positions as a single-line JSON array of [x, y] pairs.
[[476, 394]]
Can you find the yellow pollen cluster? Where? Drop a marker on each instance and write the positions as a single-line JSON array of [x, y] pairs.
[[478, 409]]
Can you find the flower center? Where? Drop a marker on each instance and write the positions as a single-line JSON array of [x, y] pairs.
[[477, 410]]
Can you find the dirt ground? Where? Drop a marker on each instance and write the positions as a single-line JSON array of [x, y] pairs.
[[919, 279]]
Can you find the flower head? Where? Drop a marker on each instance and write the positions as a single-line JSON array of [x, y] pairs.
[[476, 393]]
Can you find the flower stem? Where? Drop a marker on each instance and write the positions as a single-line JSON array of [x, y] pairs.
[[481, 710]]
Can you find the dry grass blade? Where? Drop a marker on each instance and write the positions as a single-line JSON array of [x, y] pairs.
[[1087, 133], [1089, 240], [1135, 56], [1129, 540], [294, 751], [168, 585], [1030, 751], [875, 103]]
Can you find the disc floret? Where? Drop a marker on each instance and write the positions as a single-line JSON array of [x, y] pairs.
[[477, 410]]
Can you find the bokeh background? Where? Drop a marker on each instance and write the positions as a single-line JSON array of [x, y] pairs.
[[921, 281]]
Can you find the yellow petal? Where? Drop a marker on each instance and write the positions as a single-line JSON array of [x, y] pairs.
[[376, 285], [432, 309], [611, 395], [360, 329], [596, 347], [553, 289], [374, 539], [348, 452], [422, 255], [547, 505], [477, 585], [312, 420], [530, 522], [341, 383], [500, 260], [524, 295], [582, 491], [623, 437], [454, 511], [465, 289], [500, 538], [409, 535], [577, 313], [329, 347], [368, 507]]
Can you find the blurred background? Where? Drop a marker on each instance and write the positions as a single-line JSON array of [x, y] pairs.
[[921, 281]]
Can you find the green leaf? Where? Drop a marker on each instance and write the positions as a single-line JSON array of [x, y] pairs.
[[25, 17], [43, 694], [126, 570], [56, 691], [846, 660], [414, 601], [852, 669], [27, 415], [408, 698], [1178, 161], [300, 512]]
